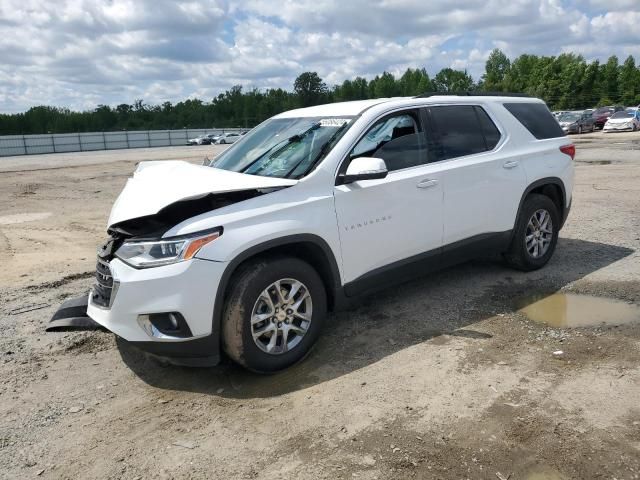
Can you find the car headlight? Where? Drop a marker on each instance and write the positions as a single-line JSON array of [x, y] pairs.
[[146, 254]]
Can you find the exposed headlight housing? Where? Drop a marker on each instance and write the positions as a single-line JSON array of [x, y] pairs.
[[154, 253]]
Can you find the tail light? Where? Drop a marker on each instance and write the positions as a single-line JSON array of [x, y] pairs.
[[569, 150]]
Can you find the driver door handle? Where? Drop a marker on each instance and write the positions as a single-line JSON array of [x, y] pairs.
[[510, 164], [427, 183]]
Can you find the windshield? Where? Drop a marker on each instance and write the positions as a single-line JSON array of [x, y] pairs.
[[283, 147], [622, 115], [569, 117], [603, 110]]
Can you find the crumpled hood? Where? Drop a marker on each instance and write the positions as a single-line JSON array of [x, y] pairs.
[[158, 184]]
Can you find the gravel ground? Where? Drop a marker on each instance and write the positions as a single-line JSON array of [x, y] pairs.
[[442, 377]]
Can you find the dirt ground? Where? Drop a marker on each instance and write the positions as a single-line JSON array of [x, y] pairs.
[[443, 377]]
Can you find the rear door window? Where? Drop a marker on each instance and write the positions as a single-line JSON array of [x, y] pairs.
[[462, 130], [536, 118]]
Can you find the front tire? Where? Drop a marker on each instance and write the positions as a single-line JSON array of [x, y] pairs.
[[536, 234], [273, 314]]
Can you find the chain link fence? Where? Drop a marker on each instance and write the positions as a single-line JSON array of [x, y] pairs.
[[83, 142]]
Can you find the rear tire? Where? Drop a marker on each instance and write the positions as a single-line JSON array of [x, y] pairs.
[[254, 312], [536, 234]]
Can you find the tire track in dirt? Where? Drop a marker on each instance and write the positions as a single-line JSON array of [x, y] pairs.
[[5, 244], [73, 226], [62, 281]]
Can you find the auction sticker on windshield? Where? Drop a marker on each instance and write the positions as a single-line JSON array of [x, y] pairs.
[[333, 122]]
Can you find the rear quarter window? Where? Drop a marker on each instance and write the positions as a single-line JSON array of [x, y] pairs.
[[491, 132], [536, 118]]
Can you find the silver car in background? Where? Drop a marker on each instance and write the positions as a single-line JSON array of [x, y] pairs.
[[227, 138], [576, 122]]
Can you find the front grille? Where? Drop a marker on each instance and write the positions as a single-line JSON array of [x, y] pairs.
[[103, 288]]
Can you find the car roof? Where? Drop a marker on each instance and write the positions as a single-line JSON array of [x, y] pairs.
[[358, 106], [337, 109]]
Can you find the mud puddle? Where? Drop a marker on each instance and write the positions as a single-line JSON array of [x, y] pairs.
[[567, 310]]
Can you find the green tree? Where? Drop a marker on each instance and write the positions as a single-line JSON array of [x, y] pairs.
[[496, 69], [383, 86], [360, 88], [609, 75], [589, 93], [629, 82], [449, 80], [310, 89], [415, 82]]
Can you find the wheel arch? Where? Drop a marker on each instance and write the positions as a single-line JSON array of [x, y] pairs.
[[552, 187], [308, 247]]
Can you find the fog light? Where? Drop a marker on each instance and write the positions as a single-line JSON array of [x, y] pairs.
[[165, 326]]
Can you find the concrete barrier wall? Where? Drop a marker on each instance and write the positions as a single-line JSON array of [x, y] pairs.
[[81, 142]]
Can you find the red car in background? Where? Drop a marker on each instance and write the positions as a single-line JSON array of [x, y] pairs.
[[602, 114]]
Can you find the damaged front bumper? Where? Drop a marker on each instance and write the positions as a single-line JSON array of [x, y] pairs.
[[72, 315], [166, 311]]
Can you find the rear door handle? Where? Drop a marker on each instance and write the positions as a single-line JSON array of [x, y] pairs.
[[427, 183], [511, 164]]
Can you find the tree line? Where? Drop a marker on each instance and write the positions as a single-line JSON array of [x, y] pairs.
[[565, 82]]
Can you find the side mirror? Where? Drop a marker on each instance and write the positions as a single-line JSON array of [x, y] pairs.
[[363, 168]]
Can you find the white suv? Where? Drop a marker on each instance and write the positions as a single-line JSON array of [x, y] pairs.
[[319, 205]]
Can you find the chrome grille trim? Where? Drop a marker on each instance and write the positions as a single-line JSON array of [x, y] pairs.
[[103, 290]]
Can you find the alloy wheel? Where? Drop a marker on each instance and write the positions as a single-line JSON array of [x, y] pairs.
[[539, 233], [281, 316]]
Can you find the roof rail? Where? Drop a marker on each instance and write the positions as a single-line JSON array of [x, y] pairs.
[[472, 94]]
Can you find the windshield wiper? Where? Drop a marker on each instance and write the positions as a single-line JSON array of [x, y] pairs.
[[321, 153], [281, 145]]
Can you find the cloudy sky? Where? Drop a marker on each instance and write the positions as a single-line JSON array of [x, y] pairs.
[[80, 53]]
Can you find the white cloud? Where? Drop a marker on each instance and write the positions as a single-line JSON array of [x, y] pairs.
[[78, 53], [624, 5], [617, 28]]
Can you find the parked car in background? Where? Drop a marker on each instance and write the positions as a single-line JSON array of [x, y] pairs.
[[202, 139], [227, 138], [602, 114], [576, 122], [623, 121]]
